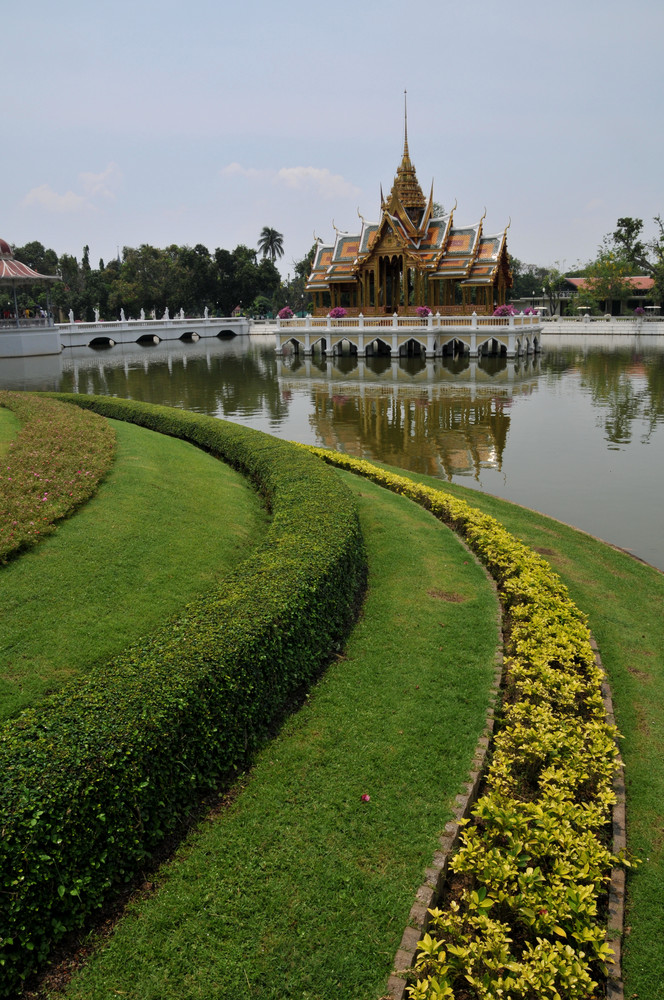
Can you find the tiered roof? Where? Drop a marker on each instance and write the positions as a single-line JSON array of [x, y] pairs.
[[441, 249]]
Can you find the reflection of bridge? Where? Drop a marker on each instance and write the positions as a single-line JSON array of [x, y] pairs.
[[432, 336], [150, 331]]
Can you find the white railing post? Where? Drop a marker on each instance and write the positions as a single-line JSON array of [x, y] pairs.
[[473, 321], [395, 319], [361, 321]]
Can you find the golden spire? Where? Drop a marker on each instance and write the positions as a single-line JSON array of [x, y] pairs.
[[405, 126], [406, 190]]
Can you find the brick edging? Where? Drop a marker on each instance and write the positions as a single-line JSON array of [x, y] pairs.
[[616, 915]]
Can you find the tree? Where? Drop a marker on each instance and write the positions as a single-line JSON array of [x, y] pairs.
[[271, 243], [642, 256], [607, 280], [553, 284], [526, 279]]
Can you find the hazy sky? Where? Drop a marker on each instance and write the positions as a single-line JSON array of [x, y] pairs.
[[151, 121]]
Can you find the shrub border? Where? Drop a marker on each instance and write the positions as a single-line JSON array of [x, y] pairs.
[[43, 466], [526, 585], [94, 777]]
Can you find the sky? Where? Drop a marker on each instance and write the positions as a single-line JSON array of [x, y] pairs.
[[151, 121]]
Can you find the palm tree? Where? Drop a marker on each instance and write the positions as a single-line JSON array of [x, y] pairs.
[[271, 243]]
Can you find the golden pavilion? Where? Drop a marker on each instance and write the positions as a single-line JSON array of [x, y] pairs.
[[411, 258]]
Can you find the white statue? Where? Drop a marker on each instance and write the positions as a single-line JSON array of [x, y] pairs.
[[166, 313], [181, 313], [142, 313], [96, 314], [71, 315], [122, 316], [205, 312]]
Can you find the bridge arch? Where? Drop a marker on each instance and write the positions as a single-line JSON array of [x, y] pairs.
[[453, 345], [319, 342], [149, 338], [412, 346], [226, 334], [101, 342], [491, 346]]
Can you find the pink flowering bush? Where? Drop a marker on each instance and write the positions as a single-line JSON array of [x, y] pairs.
[[639, 311], [338, 312], [423, 311], [285, 313], [55, 464], [506, 310]]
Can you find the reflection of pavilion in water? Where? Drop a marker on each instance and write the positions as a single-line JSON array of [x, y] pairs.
[[430, 419]]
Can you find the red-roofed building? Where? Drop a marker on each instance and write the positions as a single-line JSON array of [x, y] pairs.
[[642, 295]]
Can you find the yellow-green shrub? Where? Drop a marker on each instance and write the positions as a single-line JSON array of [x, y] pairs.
[[529, 925]]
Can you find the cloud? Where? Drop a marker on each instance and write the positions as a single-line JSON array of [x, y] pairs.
[[235, 169], [593, 205], [104, 184], [326, 184], [321, 181], [45, 197], [94, 186]]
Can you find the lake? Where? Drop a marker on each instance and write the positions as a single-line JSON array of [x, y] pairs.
[[576, 432]]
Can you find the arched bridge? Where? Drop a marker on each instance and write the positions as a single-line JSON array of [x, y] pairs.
[[150, 331]]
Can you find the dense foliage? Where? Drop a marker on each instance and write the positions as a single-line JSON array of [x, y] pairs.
[[152, 279], [95, 776], [54, 464], [526, 918]]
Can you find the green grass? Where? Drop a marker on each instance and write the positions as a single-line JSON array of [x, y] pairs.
[[299, 889], [9, 428], [624, 601], [167, 523]]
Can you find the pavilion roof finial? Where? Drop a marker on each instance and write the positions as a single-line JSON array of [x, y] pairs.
[[405, 123]]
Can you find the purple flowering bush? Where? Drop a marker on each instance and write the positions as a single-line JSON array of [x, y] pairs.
[[338, 312], [285, 313], [423, 311], [639, 311]]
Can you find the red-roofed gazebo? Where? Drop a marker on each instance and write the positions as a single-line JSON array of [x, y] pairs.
[[14, 272]]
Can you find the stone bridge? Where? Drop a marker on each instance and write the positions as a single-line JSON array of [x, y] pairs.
[[150, 331]]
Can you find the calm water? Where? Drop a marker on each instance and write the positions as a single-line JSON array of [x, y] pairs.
[[577, 433]]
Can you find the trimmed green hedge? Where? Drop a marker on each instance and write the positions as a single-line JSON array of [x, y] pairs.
[[96, 775]]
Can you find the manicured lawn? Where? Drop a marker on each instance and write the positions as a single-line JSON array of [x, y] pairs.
[[168, 522], [299, 889], [9, 428]]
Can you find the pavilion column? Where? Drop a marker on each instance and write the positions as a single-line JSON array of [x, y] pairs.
[[404, 279]]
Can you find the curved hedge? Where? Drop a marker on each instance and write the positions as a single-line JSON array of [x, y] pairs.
[[96, 775], [535, 864]]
